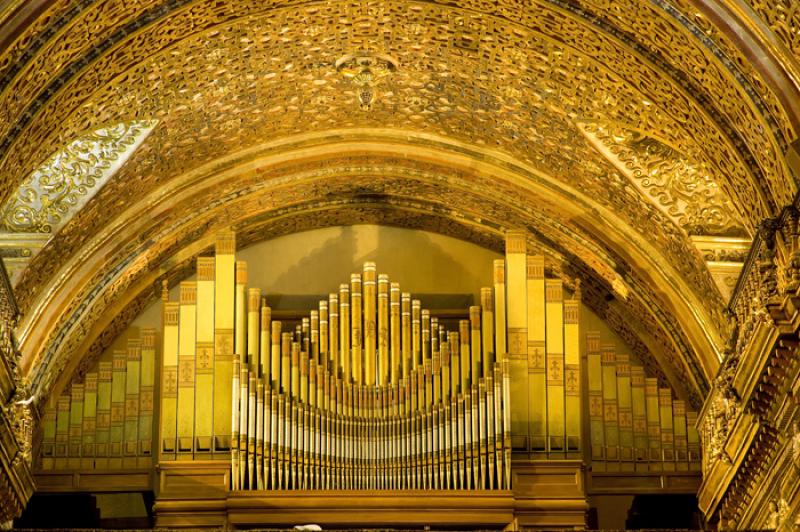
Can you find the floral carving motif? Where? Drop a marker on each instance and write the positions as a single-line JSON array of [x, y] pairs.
[[69, 178], [783, 18], [678, 186]]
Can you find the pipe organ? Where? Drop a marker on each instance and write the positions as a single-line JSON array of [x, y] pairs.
[[424, 412], [106, 421], [634, 424], [369, 390]]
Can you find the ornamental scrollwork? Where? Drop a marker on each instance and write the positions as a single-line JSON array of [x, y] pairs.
[[69, 178], [783, 18], [678, 186]]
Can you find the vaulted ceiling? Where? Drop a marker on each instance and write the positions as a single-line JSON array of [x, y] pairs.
[[640, 143]]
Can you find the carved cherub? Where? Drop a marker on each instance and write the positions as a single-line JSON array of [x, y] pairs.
[[773, 518], [21, 409], [778, 512]]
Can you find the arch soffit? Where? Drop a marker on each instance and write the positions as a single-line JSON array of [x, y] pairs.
[[472, 189]]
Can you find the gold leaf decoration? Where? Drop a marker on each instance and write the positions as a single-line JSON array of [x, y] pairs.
[[684, 190], [55, 191]]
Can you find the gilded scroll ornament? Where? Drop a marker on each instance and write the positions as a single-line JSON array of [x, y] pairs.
[[55, 191], [783, 18], [681, 188]]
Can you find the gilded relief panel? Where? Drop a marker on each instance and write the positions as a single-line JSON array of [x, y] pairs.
[[672, 35], [55, 191], [225, 110], [657, 27], [684, 192]]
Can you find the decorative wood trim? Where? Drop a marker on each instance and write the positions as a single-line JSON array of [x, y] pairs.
[[94, 480], [195, 494]]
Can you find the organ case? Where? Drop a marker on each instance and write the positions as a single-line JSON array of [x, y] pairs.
[[370, 391]]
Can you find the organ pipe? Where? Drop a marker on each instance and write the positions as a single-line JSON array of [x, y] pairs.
[[311, 410]]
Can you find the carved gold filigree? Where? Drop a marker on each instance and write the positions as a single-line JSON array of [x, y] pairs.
[[302, 51], [655, 28], [783, 18], [69, 178], [366, 71], [683, 190], [721, 415], [455, 97], [225, 78], [221, 83]]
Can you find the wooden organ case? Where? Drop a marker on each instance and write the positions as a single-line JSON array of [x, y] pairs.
[[370, 410]]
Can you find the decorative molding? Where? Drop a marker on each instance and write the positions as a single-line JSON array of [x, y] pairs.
[[17, 250], [750, 419], [725, 257]]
